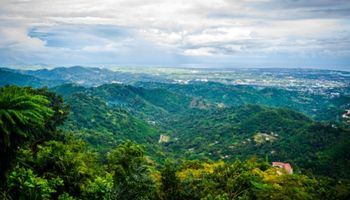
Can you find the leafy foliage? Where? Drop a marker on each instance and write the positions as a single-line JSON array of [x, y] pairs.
[[20, 111], [24, 184], [132, 179], [22, 118], [170, 183]]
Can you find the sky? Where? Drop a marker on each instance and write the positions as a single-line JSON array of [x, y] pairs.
[[169, 33]]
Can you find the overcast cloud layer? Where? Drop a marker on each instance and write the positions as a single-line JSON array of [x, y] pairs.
[[198, 33]]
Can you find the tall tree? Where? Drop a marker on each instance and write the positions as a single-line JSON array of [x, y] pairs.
[[132, 179], [22, 116], [170, 182]]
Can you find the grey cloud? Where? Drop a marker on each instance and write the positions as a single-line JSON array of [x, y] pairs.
[[124, 29], [283, 9]]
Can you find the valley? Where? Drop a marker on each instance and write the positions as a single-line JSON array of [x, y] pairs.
[[216, 120]]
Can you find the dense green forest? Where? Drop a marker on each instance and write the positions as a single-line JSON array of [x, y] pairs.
[[104, 143], [198, 128]]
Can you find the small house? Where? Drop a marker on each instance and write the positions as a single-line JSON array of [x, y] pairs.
[[283, 165]]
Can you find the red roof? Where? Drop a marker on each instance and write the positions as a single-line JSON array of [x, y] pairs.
[[283, 165]]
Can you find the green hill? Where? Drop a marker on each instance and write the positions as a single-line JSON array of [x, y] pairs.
[[252, 130], [9, 77], [105, 126], [318, 106]]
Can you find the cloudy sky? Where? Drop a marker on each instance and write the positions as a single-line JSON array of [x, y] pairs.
[[194, 33]]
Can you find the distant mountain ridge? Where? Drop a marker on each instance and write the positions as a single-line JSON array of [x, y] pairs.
[[320, 107], [265, 77], [12, 77], [88, 76], [85, 76]]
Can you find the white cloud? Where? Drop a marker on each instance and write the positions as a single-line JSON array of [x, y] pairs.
[[204, 51], [18, 37], [184, 27], [220, 35]]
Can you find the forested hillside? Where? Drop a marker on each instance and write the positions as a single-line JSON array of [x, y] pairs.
[[317, 106], [39, 160], [156, 140], [9, 77], [195, 127]]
